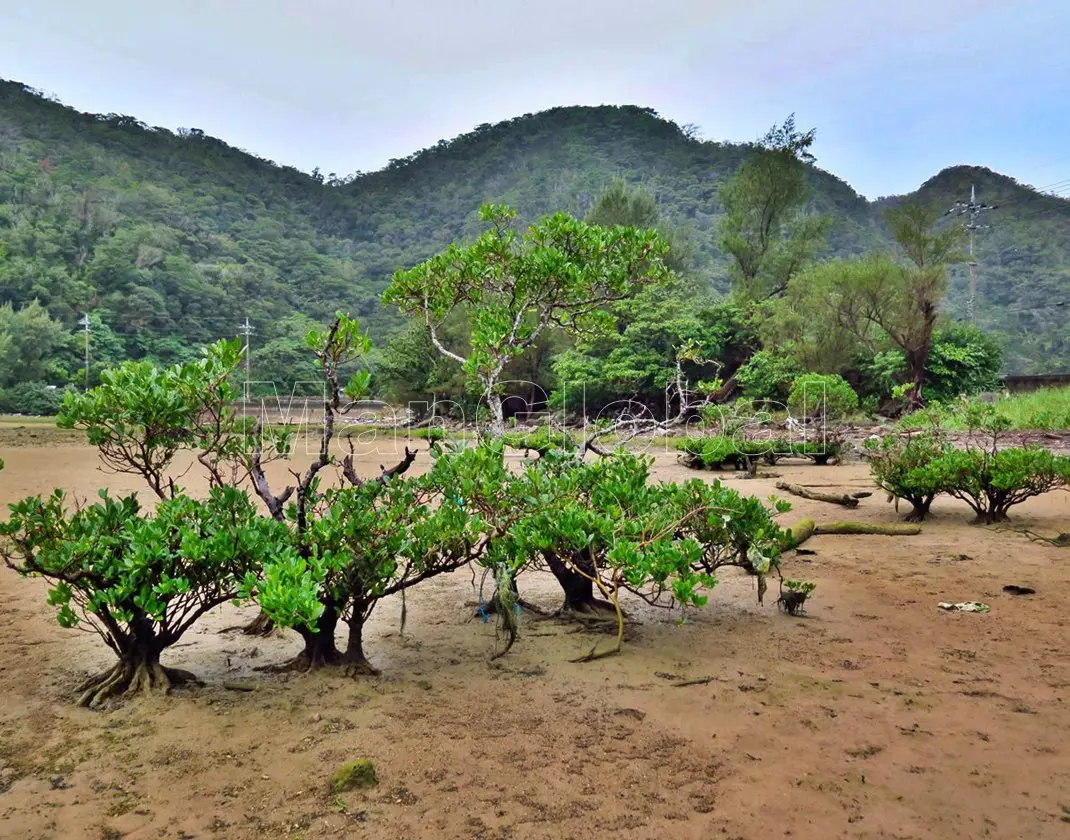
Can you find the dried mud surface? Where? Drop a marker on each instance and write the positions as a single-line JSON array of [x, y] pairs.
[[875, 716]]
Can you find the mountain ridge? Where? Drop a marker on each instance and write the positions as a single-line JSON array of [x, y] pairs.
[[176, 236]]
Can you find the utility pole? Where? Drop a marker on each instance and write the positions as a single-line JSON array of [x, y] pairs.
[[971, 209], [247, 330], [87, 329]]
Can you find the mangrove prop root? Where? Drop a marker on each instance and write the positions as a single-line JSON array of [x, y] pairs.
[[302, 663], [361, 668], [813, 495], [791, 602], [866, 528], [127, 678], [594, 654], [259, 626]]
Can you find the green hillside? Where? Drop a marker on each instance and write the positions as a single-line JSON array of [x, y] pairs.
[[1023, 273], [172, 239]]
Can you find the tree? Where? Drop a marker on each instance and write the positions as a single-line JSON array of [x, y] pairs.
[[763, 229], [139, 580], [30, 341], [902, 467], [634, 360], [909, 317], [619, 206], [903, 301], [363, 543], [512, 288], [838, 309]]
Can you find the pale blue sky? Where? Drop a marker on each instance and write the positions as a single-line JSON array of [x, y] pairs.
[[897, 90]]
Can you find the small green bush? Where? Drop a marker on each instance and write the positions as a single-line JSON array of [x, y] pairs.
[[903, 467], [32, 398], [542, 440], [716, 452], [354, 775], [767, 376], [991, 481], [817, 394]]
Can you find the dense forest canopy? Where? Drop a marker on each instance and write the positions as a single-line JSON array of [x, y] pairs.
[[172, 239]]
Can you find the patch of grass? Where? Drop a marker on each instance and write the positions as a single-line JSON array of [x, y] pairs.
[[369, 432], [356, 775], [1046, 409], [26, 420]]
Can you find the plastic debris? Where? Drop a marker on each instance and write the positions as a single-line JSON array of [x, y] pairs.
[[965, 606]]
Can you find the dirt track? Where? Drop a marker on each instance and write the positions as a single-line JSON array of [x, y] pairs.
[[877, 716]]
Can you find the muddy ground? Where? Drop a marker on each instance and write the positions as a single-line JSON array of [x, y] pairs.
[[875, 716]]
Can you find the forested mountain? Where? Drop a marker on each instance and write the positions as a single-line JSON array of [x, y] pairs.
[[172, 239]]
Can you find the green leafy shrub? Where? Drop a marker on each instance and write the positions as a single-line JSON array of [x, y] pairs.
[[991, 481], [603, 527], [717, 452], [964, 361], [542, 440], [32, 398], [359, 545], [903, 467], [793, 595], [714, 453], [815, 395], [768, 375], [139, 580]]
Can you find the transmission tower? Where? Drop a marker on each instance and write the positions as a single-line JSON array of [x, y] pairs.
[[247, 330], [87, 328], [971, 210]]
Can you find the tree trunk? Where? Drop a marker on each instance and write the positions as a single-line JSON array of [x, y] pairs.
[[497, 415], [138, 670], [320, 648], [797, 534], [259, 626], [920, 509], [916, 362], [578, 588], [354, 660]]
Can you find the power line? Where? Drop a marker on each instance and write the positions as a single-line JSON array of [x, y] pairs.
[[972, 210]]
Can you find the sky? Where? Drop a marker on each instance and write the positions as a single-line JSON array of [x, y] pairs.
[[896, 90]]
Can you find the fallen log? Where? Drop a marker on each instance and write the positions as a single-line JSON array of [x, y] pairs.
[[897, 530], [798, 533], [802, 530], [803, 492]]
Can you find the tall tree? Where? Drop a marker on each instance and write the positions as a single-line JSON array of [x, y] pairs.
[[764, 229], [909, 316], [875, 301], [512, 288]]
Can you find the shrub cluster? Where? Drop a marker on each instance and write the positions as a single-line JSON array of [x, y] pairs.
[[718, 452], [990, 478], [327, 551], [818, 395]]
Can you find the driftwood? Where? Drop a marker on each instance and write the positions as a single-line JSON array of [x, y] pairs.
[[831, 498], [799, 533], [865, 528], [802, 530]]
